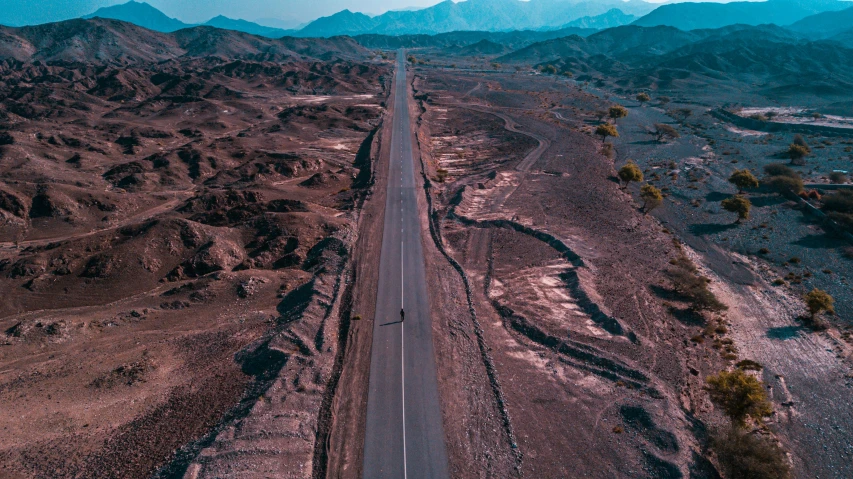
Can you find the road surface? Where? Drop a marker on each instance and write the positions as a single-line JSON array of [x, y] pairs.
[[404, 437]]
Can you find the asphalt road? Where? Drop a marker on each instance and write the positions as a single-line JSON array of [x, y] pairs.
[[404, 437]]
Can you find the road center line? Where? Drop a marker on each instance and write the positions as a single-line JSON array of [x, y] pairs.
[[402, 301]]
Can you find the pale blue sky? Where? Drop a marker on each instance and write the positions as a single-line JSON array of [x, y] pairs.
[[18, 12]]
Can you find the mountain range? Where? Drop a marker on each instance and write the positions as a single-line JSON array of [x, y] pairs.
[[146, 16], [825, 24], [776, 62], [738, 62], [692, 16], [813, 18], [491, 15], [107, 41]]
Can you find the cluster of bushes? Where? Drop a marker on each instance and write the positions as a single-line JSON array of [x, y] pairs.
[[742, 453], [693, 287], [783, 179], [838, 206], [818, 302], [740, 204], [652, 197], [798, 151], [548, 70]]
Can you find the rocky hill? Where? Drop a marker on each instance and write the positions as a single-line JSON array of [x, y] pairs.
[[111, 41], [826, 24]]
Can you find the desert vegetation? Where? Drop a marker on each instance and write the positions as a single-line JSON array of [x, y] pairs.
[[651, 196], [691, 286], [739, 205], [605, 130], [743, 180], [783, 179], [745, 449], [663, 132], [818, 302], [630, 172]]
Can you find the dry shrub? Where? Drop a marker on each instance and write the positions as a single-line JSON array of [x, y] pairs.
[[686, 281], [744, 455]]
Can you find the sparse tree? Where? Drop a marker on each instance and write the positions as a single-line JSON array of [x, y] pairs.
[[568, 74], [606, 129], [549, 69], [496, 66], [630, 172], [819, 301], [743, 179], [618, 111], [816, 116], [798, 154], [651, 196], [799, 140], [643, 98], [740, 395], [737, 204], [664, 100], [681, 114], [663, 131]]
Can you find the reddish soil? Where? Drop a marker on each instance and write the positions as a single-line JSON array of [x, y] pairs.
[[173, 255], [579, 363]]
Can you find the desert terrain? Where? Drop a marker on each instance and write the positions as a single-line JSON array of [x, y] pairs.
[[567, 274], [175, 234], [192, 226]]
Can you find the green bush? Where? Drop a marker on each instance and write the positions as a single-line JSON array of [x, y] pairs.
[[606, 129], [617, 111], [819, 301], [740, 396], [630, 172], [651, 196], [738, 204], [743, 179]]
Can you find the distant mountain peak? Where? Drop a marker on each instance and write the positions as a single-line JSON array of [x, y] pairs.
[[245, 26], [142, 14]]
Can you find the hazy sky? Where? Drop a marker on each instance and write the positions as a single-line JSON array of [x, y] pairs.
[[196, 11]]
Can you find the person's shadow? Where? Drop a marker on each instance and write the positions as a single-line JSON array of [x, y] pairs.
[[391, 322]]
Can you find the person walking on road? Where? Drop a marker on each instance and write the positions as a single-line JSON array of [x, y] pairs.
[[402, 315]]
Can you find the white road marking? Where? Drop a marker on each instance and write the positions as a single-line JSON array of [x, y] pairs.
[[402, 303]]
